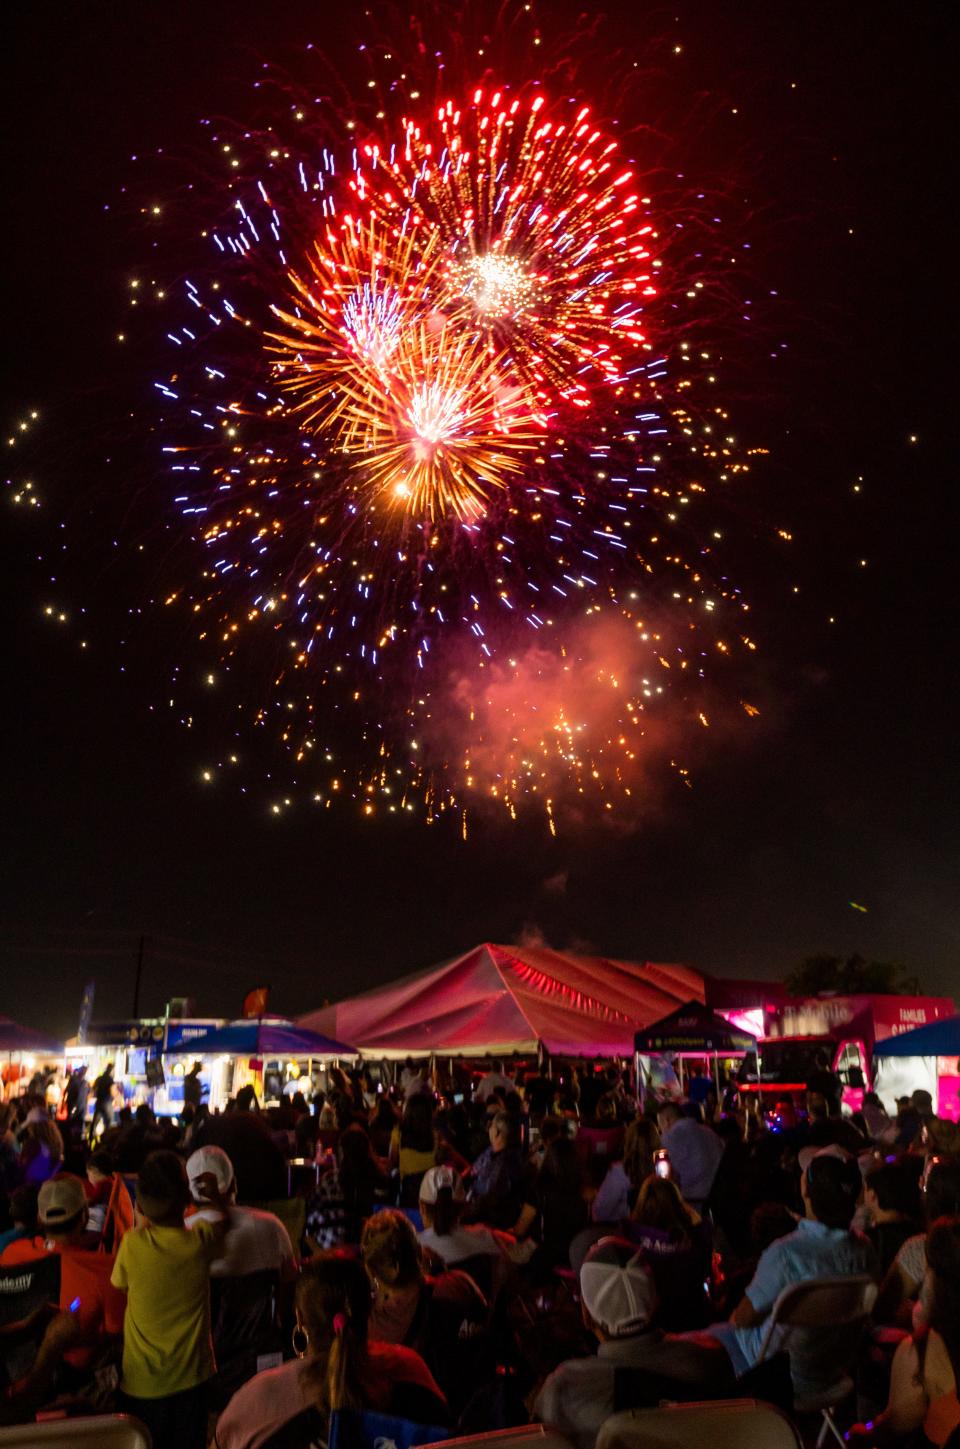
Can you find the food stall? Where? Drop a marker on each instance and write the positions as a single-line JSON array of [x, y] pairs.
[[136, 1050], [22, 1052], [270, 1054]]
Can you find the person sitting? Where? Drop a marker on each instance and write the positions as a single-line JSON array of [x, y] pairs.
[[23, 1217], [346, 1192], [618, 1299], [254, 1241], [821, 1246], [164, 1269], [41, 1151], [903, 1293], [926, 1366], [640, 1142], [339, 1367], [892, 1203], [442, 1200], [414, 1145], [496, 1175], [90, 1309], [695, 1152], [442, 1318], [677, 1242]]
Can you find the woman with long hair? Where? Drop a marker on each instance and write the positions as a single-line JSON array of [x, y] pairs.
[[640, 1143], [925, 1375], [338, 1367], [678, 1243], [442, 1318], [41, 1152], [414, 1146], [346, 1193]]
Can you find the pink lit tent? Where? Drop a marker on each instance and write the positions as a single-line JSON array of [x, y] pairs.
[[502, 999]]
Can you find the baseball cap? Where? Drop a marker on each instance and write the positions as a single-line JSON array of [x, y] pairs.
[[617, 1287], [437, 1177], [60, 1200], [210, 1159]]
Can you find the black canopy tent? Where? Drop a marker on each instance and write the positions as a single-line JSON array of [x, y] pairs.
[[693, 1030]]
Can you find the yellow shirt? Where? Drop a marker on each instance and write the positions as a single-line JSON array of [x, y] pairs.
[[166, 1330]]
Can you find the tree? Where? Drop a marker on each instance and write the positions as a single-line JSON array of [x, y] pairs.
[[851, 977]]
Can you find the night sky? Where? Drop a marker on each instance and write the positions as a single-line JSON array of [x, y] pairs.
[[831, 126]]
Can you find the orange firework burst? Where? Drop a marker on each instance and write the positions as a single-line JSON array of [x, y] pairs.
[[544, 249], [421, 407], [441, 430]]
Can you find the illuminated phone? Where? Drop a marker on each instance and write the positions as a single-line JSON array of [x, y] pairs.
[[661, 1163]]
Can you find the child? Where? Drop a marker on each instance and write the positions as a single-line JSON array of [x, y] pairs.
[[165, 1271]]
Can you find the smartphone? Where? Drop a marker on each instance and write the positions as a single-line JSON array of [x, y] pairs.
[[661, 1163], [458, 1099]]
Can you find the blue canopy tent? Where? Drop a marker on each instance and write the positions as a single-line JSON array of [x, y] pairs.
[[264, 1038], [925, 1057], [936, 1039]]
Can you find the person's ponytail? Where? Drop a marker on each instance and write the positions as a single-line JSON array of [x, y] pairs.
[[333, 1302], [346, 1362]]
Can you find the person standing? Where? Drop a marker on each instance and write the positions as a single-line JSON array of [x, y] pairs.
[[103, 1100], [164, 1269], [695, 1152]]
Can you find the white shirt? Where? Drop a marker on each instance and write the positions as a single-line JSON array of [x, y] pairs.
[[255, 1242], [490, 1083]]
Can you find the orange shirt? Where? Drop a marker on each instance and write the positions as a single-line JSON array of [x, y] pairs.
[[84, 1276]]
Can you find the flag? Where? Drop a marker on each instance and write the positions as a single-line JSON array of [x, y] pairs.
[[255, 1002], [86, 1012]]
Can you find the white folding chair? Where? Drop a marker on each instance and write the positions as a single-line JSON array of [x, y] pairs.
[[102, 1431], [727, 1424], [817, 1305]]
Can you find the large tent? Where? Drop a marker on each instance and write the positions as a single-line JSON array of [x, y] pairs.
[[501, 999]]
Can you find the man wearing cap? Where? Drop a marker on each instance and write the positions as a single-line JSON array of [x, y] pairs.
[[821, 1246], [255, 1241], [618, 1301], [91, 1310]]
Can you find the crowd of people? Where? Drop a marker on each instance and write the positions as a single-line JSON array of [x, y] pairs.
[[471, 1255]]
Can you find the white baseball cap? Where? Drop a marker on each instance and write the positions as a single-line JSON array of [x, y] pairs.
[[210, 1159], [617, 1287], [437, 1177]]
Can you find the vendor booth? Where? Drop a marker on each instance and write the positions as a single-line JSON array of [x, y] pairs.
[[505, 1000], [272, 1055], [927, 1058], [692, 1034], [136, 1050], [22, 1051]]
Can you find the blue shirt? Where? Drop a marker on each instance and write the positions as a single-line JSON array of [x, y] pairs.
[[695, 1153], [811, 1251]]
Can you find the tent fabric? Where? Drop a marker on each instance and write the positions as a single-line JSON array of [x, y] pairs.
[[16, 1038], [266, 1038], [501, 999], [696, 1030], [936, 1039]]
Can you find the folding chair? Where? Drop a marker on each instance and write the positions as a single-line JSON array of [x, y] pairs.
[[824, 1306], [732, 1424], [102, 1431], [29, 1294]]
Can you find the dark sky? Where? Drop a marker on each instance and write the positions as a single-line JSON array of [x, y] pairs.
[[833, 124]]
